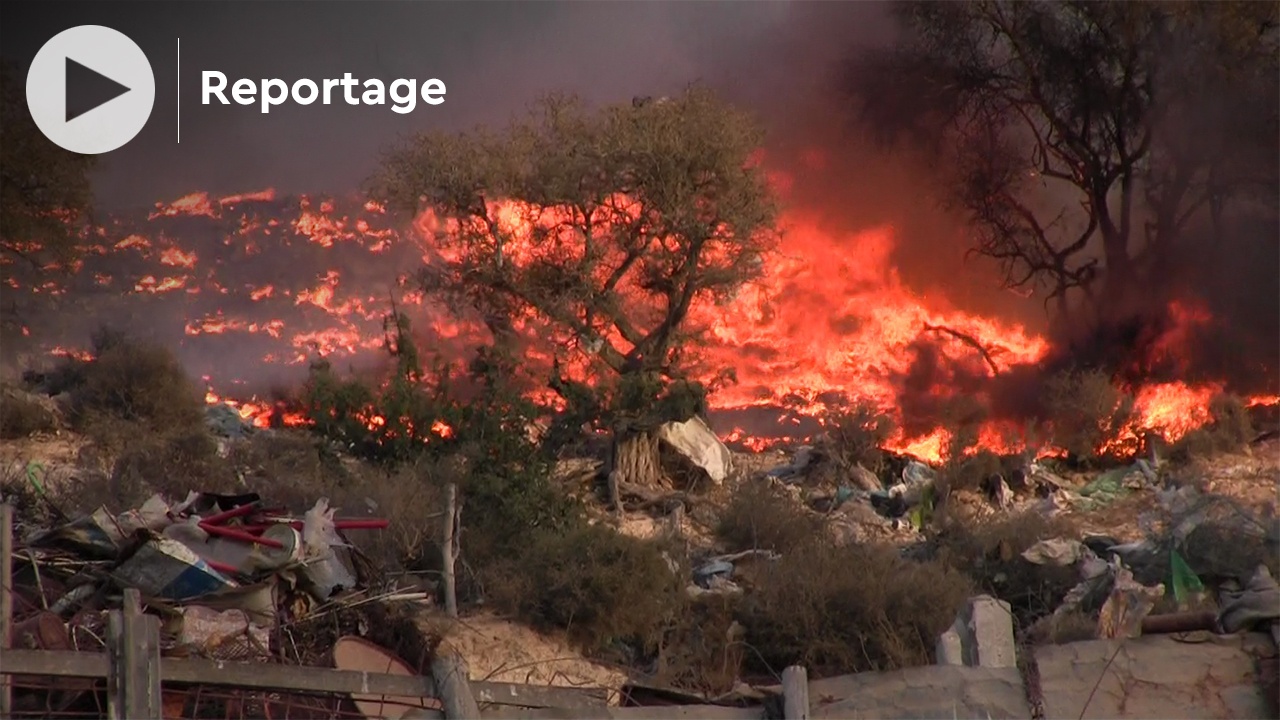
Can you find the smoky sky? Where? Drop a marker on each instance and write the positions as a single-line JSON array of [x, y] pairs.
[[494, 57], [780, 60]]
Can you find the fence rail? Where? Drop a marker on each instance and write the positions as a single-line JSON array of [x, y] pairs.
[[141, 684]]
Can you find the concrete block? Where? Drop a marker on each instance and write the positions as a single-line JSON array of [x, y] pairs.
[[950, 649], [1155, 677], [990, 624], [982, 636], [922, 693]]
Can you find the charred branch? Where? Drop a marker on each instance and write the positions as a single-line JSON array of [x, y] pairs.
[[969, 340]]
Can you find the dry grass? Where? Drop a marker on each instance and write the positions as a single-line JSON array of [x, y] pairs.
[[761, 516], [602, 588], [850, 609], [23, 415], [990, 554]]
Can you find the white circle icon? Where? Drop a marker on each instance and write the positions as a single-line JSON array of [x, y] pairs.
[[90, 89]]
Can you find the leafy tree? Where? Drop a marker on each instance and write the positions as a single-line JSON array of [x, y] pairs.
[[44, 190], [474, 444], [596, 232], [1090, 141]]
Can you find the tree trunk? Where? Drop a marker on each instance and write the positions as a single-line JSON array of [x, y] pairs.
[[635, 458], [449, 548]]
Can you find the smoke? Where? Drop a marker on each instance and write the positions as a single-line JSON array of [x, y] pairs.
[[793, 76], [785, 61], [1207, 312]]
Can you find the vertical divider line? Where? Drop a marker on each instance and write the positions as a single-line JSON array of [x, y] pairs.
[[179, 91]]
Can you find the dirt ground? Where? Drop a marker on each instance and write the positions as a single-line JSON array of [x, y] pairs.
[[502, 651]]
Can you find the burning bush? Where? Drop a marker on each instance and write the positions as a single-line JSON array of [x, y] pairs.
[[855, 435], [600, 586], [761, 516], [851, 609], [1085, 410], [1229, 429]]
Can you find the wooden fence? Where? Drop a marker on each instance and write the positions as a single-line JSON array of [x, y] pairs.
[[138, 680]]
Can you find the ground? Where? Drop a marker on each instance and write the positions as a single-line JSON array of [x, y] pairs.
[[498, 648]]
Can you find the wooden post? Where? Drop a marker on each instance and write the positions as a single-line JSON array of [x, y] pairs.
[[453, 685], [6, 601], [133, 675], [449, 548], [795, 693]]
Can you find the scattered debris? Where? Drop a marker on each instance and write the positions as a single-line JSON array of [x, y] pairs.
[[1127, 606], [800, 463], [697, 443], [1256, 603], [225, 421], [219, 566]]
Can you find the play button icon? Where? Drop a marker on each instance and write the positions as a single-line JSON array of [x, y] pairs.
[[90, 89], [87, 89]]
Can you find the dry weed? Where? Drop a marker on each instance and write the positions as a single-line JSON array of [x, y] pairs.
[[761, 516], [850, 609]]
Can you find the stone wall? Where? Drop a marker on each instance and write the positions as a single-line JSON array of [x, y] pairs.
[[1195, 675]]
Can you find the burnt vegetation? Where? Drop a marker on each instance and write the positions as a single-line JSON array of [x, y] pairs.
[[586, 237]]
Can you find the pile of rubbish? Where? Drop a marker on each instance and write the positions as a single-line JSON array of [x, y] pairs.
[[224, 572], [1199, 561]]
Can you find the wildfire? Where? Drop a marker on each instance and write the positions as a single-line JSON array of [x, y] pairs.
[[831, 315], [149, 284], [177, 258]]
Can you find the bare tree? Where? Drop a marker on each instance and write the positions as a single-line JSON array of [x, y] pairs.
[[1086, 138], [597, 231]]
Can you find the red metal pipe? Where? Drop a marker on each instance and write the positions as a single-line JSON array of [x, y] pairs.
[[339, 524], [221, 567], [359, 524], [237, 534], [234, 512]]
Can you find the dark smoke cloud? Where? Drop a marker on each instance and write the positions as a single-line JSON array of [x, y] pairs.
[[495, 57]]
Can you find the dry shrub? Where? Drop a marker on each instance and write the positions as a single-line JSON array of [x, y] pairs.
[[855, 434], [963, 416], [990, 553], [1085, 409], [761, 516], [29, 508], [1229, 430], [1069, 627], [290, 468], [137, 381], [172, 464], [412, 505], [599, 586], [398, 626], [296, 469], [1229, 548], [23, 415], [703, 650], [850, 609], [970, 472]]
